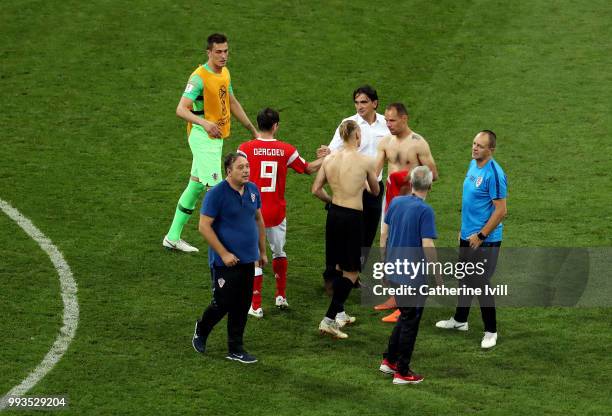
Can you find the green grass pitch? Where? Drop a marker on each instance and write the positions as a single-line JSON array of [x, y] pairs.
[[92, 153]]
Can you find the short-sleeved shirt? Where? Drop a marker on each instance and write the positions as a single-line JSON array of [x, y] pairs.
[[371, 134], [269, 160], [195, 87], [480, 188], [210, 93], [234, 221], [410, 219]]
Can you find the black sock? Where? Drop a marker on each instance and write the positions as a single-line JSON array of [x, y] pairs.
[[342, 289]]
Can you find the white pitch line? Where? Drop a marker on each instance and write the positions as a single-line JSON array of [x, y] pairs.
[[69, 297]]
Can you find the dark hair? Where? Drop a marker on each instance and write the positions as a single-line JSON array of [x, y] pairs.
[[267, 118], [215, 38], [367, 90], [399, 107], [492, 138], [230, 158]]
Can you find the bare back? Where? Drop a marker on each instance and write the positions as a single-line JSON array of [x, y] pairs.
[[346, 172]]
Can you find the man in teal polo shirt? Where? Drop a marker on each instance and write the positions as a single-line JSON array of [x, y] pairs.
[[482, 209]]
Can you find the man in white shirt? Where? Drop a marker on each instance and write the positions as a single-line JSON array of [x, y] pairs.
[[373, 128]]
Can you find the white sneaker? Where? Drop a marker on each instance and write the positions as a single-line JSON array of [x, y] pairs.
[[179, 245], [257, 313], [452, 324], [343, 319], [281, 302], [331, 327], [489, 340]]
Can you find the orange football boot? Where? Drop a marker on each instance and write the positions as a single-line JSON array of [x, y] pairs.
[[393, 317], [388, 304]]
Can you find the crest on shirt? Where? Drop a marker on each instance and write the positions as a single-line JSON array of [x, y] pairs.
[[221, 281], [215, 176], [252, 197], [189, 88], [478, 181]]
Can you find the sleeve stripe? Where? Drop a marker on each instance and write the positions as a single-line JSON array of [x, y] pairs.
[[496, 179], [294, 156]]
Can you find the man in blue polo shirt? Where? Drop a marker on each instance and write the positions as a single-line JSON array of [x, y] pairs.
[[482, 209], [232, 224], [412, 230]]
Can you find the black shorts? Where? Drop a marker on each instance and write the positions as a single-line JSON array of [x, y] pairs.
[[343, 237]]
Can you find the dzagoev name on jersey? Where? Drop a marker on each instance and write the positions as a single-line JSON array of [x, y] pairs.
[[268, 152]]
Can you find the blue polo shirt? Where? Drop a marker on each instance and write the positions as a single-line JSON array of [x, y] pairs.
[[234, 221], [480, 187], [410, 219]]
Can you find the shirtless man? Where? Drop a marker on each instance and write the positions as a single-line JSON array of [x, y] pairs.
[[403, 150], [348, 173], [373, 128]]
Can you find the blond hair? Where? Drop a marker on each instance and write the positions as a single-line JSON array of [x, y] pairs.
[[347, 129]]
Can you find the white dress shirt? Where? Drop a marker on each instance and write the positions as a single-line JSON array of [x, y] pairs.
[[371, 134]]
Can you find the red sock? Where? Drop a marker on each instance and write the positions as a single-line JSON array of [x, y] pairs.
[[279, 266], [257, 284]]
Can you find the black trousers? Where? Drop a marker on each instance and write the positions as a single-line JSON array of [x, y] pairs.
[[403, 338], [487, 253], [232, 293], [372, 209]]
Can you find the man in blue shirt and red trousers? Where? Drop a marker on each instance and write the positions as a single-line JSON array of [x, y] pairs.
[[412, 230], [482, 209], [232, 224]]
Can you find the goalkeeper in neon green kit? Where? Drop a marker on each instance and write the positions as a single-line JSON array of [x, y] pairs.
[[206, 105]]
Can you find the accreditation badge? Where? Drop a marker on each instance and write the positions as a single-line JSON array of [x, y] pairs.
[[189, 88]]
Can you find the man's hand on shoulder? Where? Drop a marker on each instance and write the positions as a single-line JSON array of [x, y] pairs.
[[323, 151], [254, 133]]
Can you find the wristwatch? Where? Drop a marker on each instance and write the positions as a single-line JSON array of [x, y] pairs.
[[481, 236]]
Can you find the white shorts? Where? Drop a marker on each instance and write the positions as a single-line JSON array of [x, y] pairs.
[[277, 236]]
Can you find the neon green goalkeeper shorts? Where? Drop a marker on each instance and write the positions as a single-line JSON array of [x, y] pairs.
[[207, 154]]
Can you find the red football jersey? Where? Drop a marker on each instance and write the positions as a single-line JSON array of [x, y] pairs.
[[269, 160], [398, 183]]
